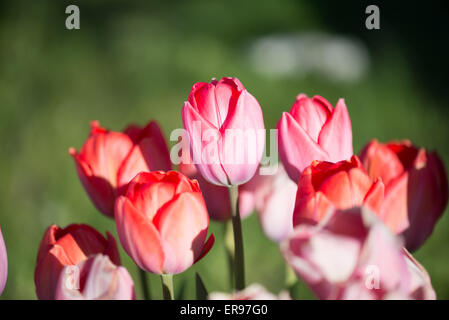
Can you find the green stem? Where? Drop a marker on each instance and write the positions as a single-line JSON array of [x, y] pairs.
[[167, 286], [144, 284], [239, 263], [228, 235]]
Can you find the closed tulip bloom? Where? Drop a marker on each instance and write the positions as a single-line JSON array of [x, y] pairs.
[[313, 130], [273, 197], [353, 255], [96, 278], [226, 130], [162, 222], [252, 292], [416, 187], [343, 185], [68, 246], [3, 264], [108, 160]]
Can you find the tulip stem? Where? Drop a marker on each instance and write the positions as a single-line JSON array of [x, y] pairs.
[[144, 283], [167, 286], [229, 246], [239, 263]]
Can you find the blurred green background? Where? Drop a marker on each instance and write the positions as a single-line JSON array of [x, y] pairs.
[[135, 61]]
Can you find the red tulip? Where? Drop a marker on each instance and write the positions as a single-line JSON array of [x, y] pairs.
[[416, 187], [313, 130], [162, 222], [68, 246], [96, 278], [3, 264], [353, 255], [343, 185], [226, 130], [109, 160]]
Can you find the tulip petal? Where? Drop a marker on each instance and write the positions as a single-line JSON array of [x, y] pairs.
[[3, 264], [182, 224], [311, 114], [394, 209], [297, 150], [243, 140], [209, 163], [336, 135], [139, 237]]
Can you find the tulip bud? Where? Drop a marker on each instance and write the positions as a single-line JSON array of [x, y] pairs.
[[3, 264], [68, 246], [353, 255], [252, 292], [226, 131], [162, 222], [416, 187], [109, 160], [96, 278], [313, 130], [343, 185]]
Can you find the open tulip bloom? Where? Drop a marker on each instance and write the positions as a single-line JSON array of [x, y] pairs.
[[344, 224]]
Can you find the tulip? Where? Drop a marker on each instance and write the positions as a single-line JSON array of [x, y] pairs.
[[68, 246], [162, 222], [416, 187], [3, 264], [343, 185], [353, 255], [95, 278], [253, 292], [109, 160], [313, 130], [226, 131], [273, 197]]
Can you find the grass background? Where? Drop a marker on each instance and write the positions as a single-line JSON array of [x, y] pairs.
[[136, 62]]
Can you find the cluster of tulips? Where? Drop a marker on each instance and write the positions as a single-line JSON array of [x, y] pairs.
[[344, 223]]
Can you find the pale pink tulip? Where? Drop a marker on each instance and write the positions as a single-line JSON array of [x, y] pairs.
[[96, 278], [353, 255], [313, 130], [226, 130]]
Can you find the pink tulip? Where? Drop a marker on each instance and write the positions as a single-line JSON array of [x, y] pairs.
[[109, 160], [313, 130], [226, 130], [273, 197], [96, 278], [353, 255], [416, 187], [3, 264], [253, 292], [162, 222]]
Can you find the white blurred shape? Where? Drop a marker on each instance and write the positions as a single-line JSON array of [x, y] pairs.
[[336, 58]]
